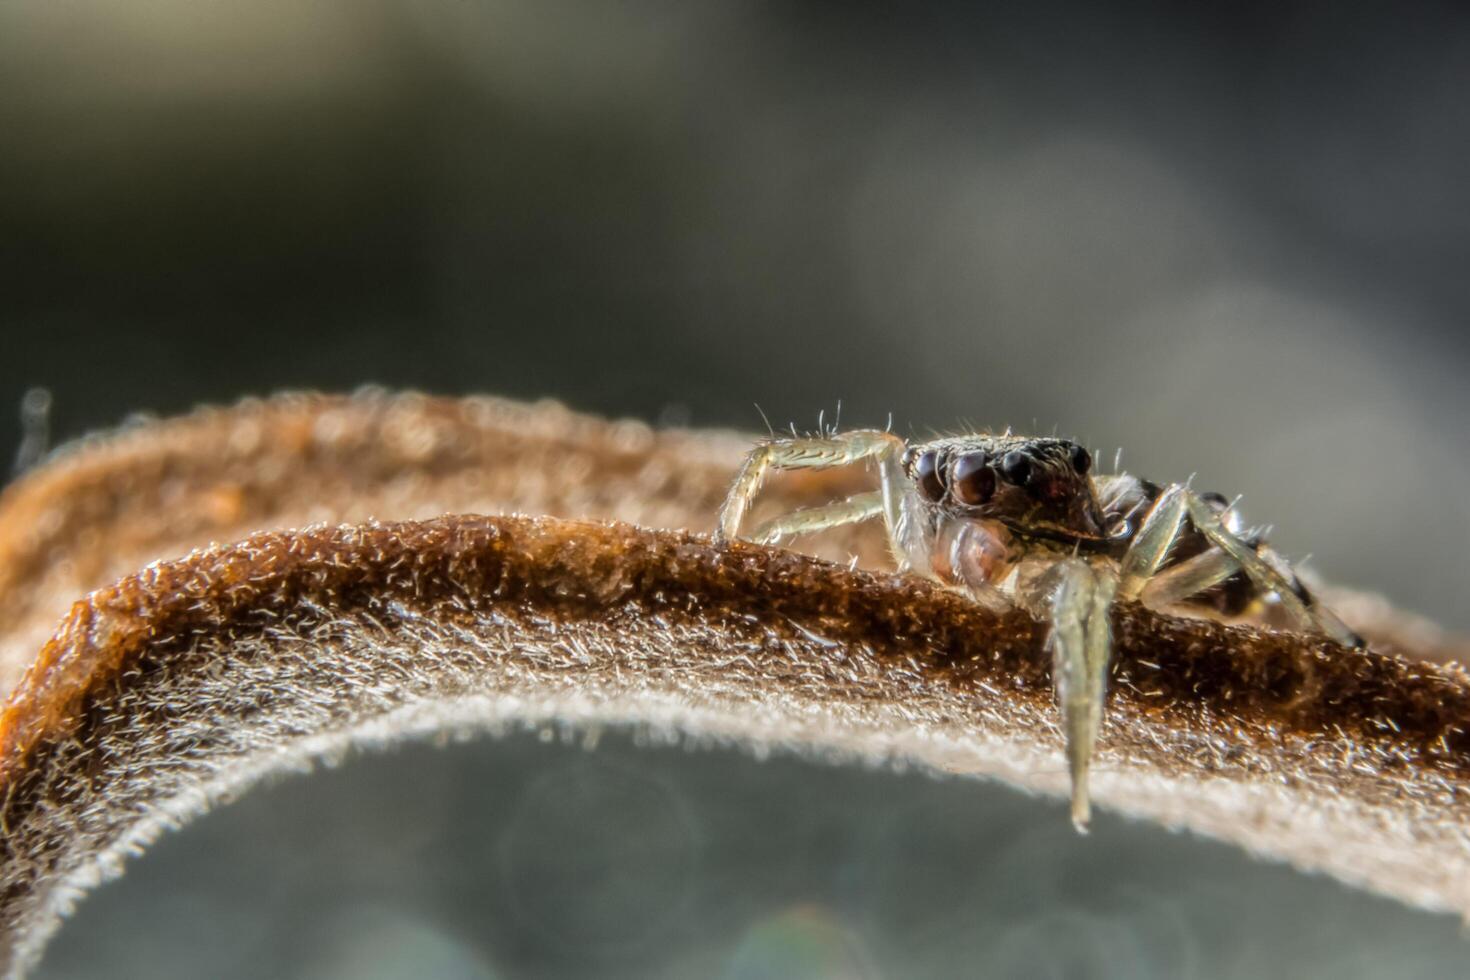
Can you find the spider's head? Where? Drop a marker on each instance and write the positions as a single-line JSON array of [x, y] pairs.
[[1032, 485]]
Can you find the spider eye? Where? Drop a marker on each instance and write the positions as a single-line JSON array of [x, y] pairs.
[[926, 475], [1016, 467], [974, 481], [1081, 460]]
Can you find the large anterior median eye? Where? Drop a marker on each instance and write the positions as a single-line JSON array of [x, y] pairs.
[[974, 481], [926, 475]]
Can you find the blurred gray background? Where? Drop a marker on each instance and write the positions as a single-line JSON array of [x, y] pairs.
[[1229, 239]]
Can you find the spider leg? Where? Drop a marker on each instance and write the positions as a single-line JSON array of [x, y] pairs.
[[858, 507], [1326, 620], [1210, 568], [885, 448], [1188, 578], [1081, 642], [1266, 577], [1081, 635], [1152, 542]]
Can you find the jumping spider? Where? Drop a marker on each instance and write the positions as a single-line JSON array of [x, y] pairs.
[[1026, 516]]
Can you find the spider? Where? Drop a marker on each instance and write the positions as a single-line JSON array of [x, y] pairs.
[[1026, 517]]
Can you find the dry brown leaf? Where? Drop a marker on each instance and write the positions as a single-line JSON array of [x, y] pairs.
[[185, 682]]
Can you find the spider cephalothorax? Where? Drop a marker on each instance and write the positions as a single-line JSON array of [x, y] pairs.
[[1026, 517], [1037, 487]]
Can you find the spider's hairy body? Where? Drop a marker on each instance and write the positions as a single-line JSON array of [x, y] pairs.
[[1025, 518]]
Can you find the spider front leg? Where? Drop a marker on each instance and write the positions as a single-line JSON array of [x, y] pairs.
[[1080, 609], [884, 448]]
